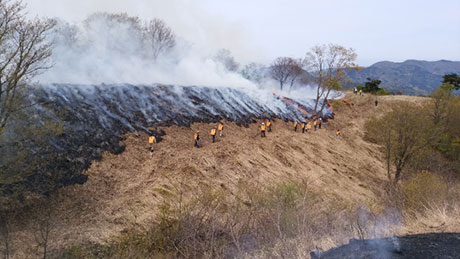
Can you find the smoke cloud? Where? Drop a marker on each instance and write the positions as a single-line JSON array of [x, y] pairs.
[[101, 50], [95, 51]]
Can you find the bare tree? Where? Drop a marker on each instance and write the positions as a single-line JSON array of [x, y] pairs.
[[285, 69], [120, 33], [65, 34], [44, 223], [24, 51], [328, 64], [296, 72], [254, 72], [159, 37], [225, 57]]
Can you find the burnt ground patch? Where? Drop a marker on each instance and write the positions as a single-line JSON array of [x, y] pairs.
[[435, 245], [96, 117]]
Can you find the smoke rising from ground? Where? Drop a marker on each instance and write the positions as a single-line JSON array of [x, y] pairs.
[[113, 49]]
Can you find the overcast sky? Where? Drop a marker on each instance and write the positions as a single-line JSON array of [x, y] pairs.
[[260, 30]]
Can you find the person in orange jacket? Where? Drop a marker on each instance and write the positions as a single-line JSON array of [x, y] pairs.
[[263, 128], [308, 126], [196, 138], [213, 134], [269, 126], [152, 141], [315, 124], [295, 125], [302, 126], [220, 128]]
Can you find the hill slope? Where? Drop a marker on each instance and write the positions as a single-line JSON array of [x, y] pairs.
[[125, 189]]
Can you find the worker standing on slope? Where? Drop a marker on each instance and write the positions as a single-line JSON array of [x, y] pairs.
[[269, 125], [196, 137], [152, 141], [337, 133], [302, 126], [320, 122], [220, 128], [262, 130], [213, 134], [315, 124], [376, 102], [295, 125], [308, 127]]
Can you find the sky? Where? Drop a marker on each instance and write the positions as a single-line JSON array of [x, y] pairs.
[[261, 30]]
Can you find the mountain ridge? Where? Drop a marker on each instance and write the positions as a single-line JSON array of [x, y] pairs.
[[412, 77]]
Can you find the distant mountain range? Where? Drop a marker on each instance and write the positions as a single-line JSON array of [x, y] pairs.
[[412, 77]]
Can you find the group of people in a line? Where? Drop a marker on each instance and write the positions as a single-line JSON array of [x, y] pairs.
[[213, 133], [315, 123], [309, 125]]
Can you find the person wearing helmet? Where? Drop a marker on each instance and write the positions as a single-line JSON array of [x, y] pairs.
[[295, 125]]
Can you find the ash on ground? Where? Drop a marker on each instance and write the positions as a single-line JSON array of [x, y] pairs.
[[441, 245]]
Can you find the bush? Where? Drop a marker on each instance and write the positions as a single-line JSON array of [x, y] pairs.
[[424, 188], [217, 224], [382, 91]]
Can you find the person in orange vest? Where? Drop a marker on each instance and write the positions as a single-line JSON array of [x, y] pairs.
[[308, 127], [315, 124], [295, 125], [152, 141], [269, 125], [213, 134], [262, 130], [302, 126], [220, 128], [196, 137], [337, 133]]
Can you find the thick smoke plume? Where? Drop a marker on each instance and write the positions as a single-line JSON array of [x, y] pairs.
[[109, 48]]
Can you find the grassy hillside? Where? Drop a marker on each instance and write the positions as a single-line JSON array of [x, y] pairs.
[[339, 182]]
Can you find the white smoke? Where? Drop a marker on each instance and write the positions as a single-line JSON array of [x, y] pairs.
[[97, 51], [101, 51]]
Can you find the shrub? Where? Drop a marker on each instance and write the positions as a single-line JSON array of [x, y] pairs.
[[424, 188]]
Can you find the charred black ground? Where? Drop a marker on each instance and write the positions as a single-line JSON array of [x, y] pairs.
[[96, 117], [441, 245]]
